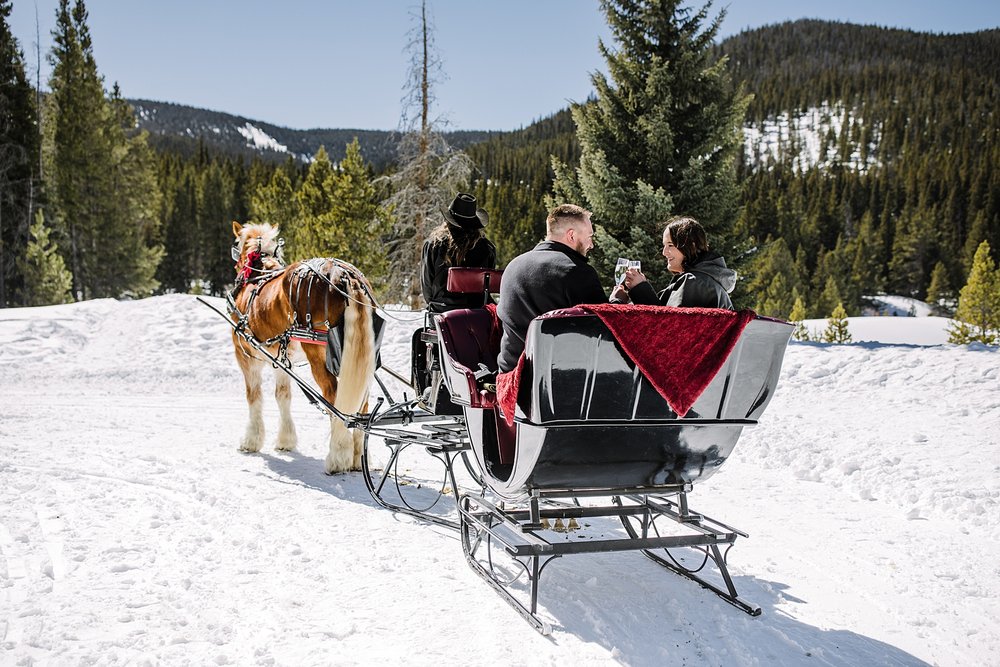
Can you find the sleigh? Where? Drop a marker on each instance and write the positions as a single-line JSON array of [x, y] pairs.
[[589, 458], [592, 440]]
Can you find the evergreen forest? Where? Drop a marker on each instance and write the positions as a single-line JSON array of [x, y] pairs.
[[828, 161]]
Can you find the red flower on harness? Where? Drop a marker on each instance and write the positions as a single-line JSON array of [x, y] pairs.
[[253, 259]]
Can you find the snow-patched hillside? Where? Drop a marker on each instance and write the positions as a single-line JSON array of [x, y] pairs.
[[133, 532]]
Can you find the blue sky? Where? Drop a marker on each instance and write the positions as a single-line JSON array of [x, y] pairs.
[[342, 63]]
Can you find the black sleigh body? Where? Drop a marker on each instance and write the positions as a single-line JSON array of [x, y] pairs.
[[587, 418]]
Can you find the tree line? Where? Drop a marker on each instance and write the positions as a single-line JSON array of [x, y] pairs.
[[905, 188], [896, 192]]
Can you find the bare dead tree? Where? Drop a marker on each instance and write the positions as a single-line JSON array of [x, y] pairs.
[[428, 172]]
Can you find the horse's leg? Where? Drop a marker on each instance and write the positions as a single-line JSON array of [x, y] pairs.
[[287, 438], [340, 458], [253, 438]]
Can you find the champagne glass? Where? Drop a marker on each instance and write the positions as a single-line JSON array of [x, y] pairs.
[[620, 268], [635, 264]]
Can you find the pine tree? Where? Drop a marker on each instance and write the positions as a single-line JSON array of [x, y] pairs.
[[835, 266], [836, 327], [219, 207], [829, 298], [774, 280], [101, 172], [867, 264], [46, 280], [663, 134], [19, 163], [178, 270], [939, 292], [364, 221], [797, 316], [275, 203], [128, 249], [912, 247], [314, 232], [78, 153], [978, 313]]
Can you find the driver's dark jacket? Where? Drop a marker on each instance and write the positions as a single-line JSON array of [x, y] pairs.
[[551, 275], [434, 274]]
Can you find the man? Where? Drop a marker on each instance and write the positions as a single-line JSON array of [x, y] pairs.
[[554, 274]]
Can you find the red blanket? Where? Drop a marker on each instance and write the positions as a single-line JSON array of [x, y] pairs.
[[507, 387], [679, 350]]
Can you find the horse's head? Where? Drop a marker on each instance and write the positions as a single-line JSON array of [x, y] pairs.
[[257, 248]]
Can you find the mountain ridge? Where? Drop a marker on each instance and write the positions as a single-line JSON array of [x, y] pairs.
[[180, 127]]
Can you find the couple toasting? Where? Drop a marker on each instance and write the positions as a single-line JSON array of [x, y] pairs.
[[556, 274]]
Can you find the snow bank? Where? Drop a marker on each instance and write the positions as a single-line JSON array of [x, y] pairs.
[[133, 532]]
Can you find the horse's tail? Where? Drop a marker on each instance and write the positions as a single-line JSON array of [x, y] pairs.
[[357, 366]]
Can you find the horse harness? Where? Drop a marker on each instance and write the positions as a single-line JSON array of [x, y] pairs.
[[306, 272]]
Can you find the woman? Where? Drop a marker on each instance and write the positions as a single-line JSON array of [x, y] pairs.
[[701, 277], [458, 241]]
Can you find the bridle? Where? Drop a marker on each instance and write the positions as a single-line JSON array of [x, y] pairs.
[[251, 272], [245, 272]]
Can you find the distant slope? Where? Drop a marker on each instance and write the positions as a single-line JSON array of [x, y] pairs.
[[180, 128], [864, 95]]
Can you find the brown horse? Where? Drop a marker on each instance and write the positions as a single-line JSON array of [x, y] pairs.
[[277, 303]]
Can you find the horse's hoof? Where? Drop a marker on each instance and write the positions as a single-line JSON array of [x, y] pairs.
[[333, 468]]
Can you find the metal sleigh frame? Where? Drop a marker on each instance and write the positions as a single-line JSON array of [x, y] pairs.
[[593, 440], [627, 457]]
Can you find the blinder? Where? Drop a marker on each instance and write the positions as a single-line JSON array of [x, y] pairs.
[[234, 251]]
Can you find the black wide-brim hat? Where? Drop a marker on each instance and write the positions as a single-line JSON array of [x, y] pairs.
[[464, 213]]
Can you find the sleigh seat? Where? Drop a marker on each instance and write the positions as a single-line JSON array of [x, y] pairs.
[[426, 376]]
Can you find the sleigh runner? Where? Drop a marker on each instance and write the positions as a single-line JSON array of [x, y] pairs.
[[588, 442]]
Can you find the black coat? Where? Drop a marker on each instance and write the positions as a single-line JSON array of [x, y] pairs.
[[434, 274], [705, 284], [550, 276]]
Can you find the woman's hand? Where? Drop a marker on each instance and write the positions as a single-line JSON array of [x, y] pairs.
[[633, 277], [619, 294]]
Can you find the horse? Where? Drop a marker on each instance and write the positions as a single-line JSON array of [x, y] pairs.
[[280, 306]]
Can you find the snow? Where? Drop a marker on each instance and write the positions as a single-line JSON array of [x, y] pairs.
[[133, 532], [901, 320], [802, 135], [895, 330], [899, 305], [259, 139]]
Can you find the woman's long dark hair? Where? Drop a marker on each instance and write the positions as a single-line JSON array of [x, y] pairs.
[[689, 237], [460, 241]]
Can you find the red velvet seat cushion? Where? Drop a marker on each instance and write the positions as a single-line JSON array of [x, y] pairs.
[[469, 341], [464, 280]]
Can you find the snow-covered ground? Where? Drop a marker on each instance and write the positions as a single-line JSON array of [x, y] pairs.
[[132, 532]]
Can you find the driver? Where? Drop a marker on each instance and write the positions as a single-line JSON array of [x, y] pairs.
[[458, 241]]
